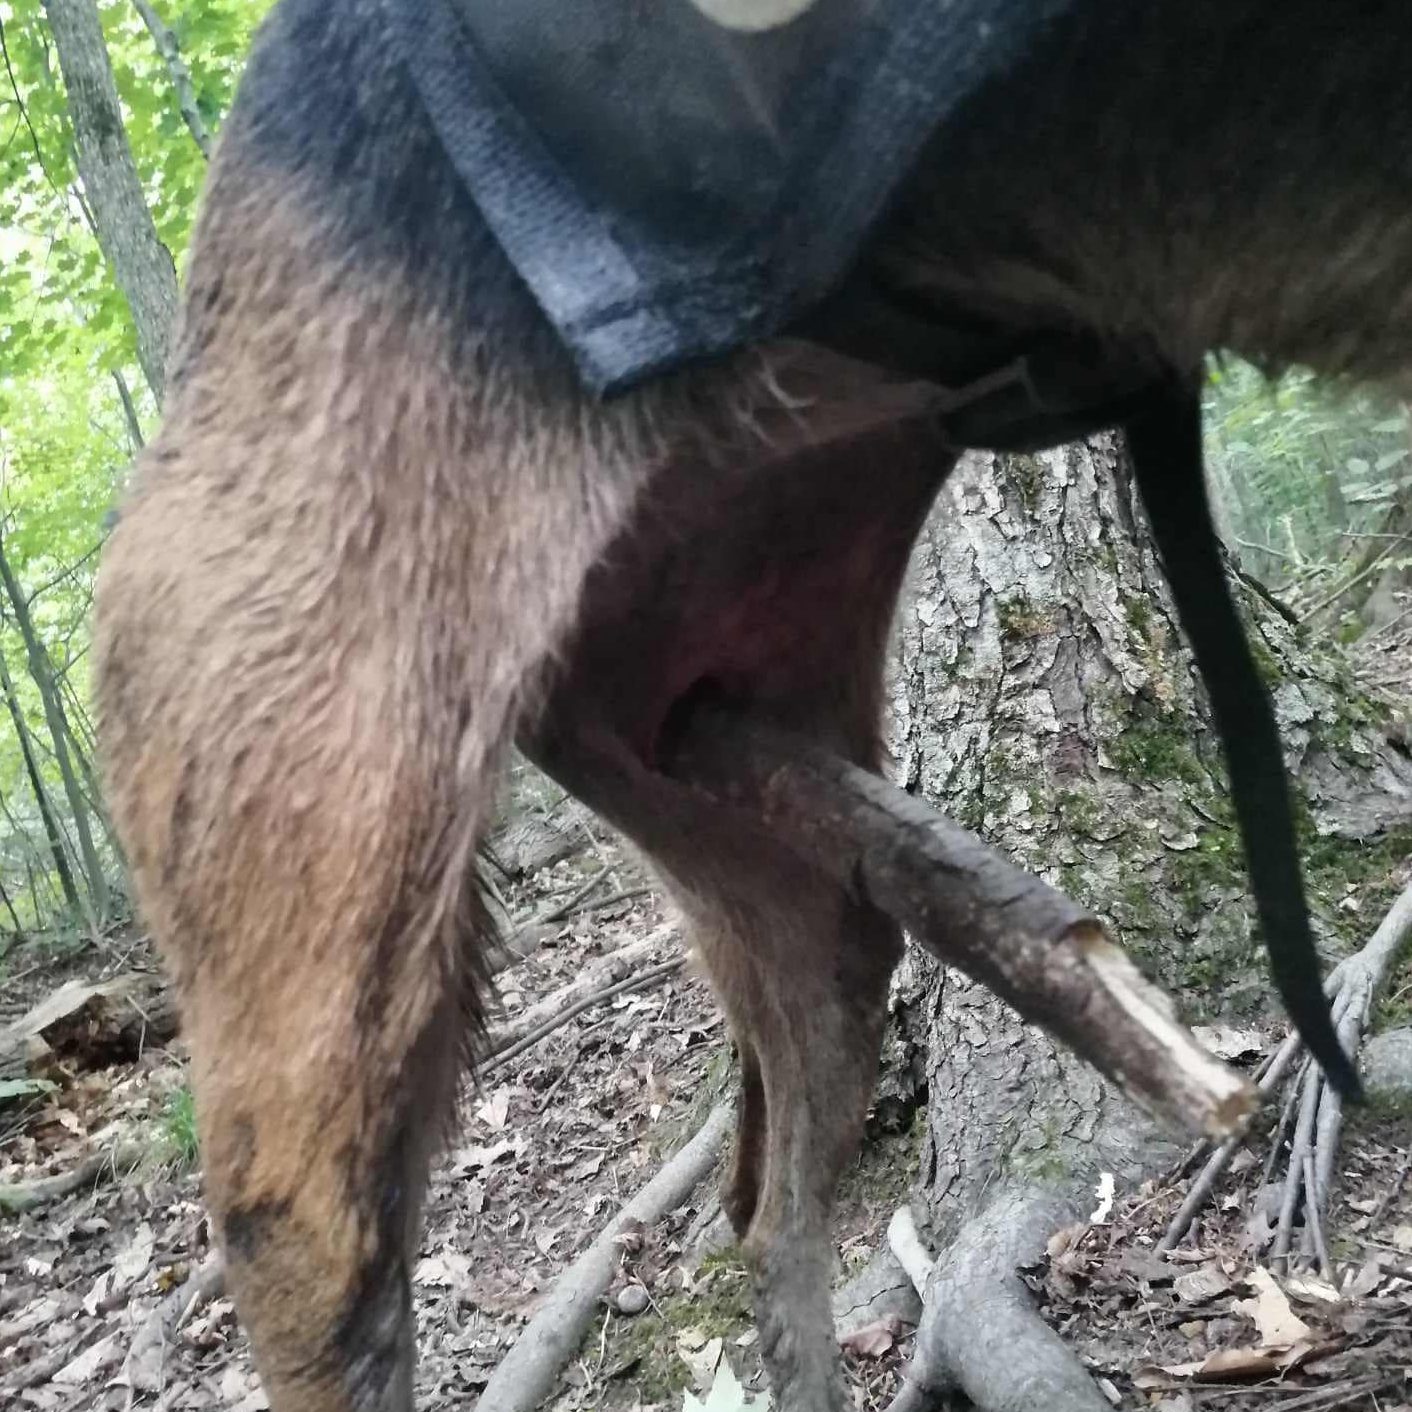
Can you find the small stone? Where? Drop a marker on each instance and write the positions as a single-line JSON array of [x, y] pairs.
[[1387, 1065], [632, 1299]]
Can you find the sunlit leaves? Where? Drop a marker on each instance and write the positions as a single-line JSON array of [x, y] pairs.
[[65, 330]]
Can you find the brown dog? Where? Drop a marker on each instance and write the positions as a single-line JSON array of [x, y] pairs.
[[384, 532]]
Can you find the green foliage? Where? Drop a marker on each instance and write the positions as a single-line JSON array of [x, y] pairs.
[[1303, 470], [178, 1128], [66, 336], [25, 1088]]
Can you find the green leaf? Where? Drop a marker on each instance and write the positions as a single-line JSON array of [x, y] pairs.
[[24, 1088]]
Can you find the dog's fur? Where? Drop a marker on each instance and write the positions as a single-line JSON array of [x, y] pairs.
[[383, 532]]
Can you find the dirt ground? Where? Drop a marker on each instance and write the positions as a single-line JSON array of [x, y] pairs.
[[92, 1286]]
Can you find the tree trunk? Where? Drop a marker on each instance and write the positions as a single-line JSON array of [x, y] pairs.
[[60, 736], [41, 793], [1039, 699], [1042, 695], [141, 264]]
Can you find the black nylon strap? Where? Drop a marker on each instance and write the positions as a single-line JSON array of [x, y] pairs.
[[1164, 438]]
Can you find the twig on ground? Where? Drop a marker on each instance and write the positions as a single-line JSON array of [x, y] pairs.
[[561, 910], [1353, 985], [96, 1168], [596, 844], [40, 1370], [1270, 1074], [1301, 1145], [1026, 942], [622, 961], [1394, 1191], [625, 894], [1315, 1226], [580, 1048], [497, 1058], [143, 1364], [527, 1373]]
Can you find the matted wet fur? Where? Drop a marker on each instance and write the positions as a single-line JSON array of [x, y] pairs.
[[383, 532]]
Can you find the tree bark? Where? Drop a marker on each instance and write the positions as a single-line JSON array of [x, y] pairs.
[[134, 426], [1042, 695], [60, 735], [41, 793], [141, 264]]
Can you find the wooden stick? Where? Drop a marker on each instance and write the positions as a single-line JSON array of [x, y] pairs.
[[641, 981], [527, 1373], [1025, 941]]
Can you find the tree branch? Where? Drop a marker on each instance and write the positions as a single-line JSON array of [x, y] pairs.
[[1016, 935], [170, 52]]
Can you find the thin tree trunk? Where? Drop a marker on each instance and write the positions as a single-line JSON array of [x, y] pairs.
[[168, 48], [134, 427], [14, 916], [41, 793], [141, 264], [60, 735]]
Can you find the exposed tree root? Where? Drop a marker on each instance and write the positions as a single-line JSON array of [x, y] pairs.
[[1312, 1109], [527, 1373], [980, 1332], [100, 1167]]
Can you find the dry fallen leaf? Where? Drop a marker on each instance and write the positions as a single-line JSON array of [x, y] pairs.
[[1232, 1363], [132, 1260], [495, 1110], [92, 1361], [726, 1395], [701, 1358], [1402, 1237], [1368, 1277], [1279, 1325], [1201, 1285], [446, 1270], [1227, 1041], [1150, 1376], [873, 1340], [1311, 1289], [469, 1159], [102, 1288]]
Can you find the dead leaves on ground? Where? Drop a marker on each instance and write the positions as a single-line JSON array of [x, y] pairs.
[[1208, 1321]]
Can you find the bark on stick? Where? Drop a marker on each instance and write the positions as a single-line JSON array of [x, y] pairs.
[[1028, 943]]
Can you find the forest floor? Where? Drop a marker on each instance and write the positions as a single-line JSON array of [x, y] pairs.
[[558, 1137]]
